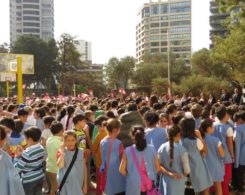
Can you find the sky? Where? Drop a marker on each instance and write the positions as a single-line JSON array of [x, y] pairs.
[[109, 24]]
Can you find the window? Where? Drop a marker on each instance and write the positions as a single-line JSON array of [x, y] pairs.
[[18, 14], [18, 1], [179, 49], [180, 29], [19, 30], [31, 12], [154, 18], [154, 44], [164, 49], [181, 23], [181, 7], [164, 43], [164, 8], [31, 24], [155, 31], [31, 1], [31, 18], [31, 30], [154, 10], [46, 5], [28, 6], [180, 36], [164, 24], [177, 43], [154, 25], [155, 50], [146, 12], [180, 17], [154, 38]]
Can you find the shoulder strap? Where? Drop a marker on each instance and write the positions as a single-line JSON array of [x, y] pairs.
[[68, 170], [109, 154], [136, 160]]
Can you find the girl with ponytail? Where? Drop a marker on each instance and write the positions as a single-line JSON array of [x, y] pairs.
[[67, 119], [214, 155], [139, 164], [174, 158]]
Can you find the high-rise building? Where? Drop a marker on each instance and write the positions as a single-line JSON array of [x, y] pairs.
[[34, 17], [217, 20], [164, 23], [85, 49]]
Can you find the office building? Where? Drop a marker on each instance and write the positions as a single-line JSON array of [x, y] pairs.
[[164, 23], [85, 49], [34, 17]]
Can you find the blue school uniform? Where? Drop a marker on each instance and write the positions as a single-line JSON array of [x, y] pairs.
[[133, 179], [168, 185], [214, 161], [199, 174], [115, 182], [220, 131], [156, 137], [74, 181], [198, 122], [240, 146], [10, 182]]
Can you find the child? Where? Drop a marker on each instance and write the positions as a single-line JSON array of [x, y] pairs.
[[39, 113], [53, 145], [100, 123], [174, 158], [240, 149], [23, 115], [163, 120], [30, 163], [224, 133], [192, 140], [214, 155], [10, 179], [111, 154], [138, 160], [155, 136], [76, 182], [47, 120], [15, 138]]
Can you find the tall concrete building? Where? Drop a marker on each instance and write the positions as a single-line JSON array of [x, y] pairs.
[[34, 17], [164, 23], [85, 49]]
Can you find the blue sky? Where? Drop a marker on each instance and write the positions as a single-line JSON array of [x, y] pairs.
[[109, 24]]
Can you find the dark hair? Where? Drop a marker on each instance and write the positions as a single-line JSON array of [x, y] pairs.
[[143, 110], [171, 108], [172, 132], [132, 107], [188, 128], [70, 133], [110, 114], [239, 115], [112, 124], [138, 100], [34, 133], [196, 110], [93, 107], [19, 125], [176, 119], [70, 110], [205, 124], [22, 112], [101, 120], [220, 112], [139, 136], [56, 127], [157, 106], [47, 120], [11, 107], [62, 114], [40, 111], [2, 133], [151, 118], [87, 114], [77, 118], [121, 111], [8, 122], [153, 100], [114, 103]]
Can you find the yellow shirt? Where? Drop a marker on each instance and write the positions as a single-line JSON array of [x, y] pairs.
[[96, 147]]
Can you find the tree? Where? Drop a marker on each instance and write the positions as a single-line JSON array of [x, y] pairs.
[[43, 60], [119, 72], [4, 48], [68, 60], [159, 85]]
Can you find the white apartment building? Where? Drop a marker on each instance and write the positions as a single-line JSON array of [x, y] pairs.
[[34, 17], [162, 24], [85, 49]]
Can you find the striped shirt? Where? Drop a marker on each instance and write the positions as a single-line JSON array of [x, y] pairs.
[[30, 164]]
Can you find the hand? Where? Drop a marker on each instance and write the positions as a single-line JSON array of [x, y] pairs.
[[198, 134], [85, 189], [62, 148], [175, 176], [19, 151]]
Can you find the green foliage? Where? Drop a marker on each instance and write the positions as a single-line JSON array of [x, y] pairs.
[[197, 84], [119, 72], [4, 48], [159, 85]]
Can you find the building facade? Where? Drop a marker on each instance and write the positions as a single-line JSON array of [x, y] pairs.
[[34, 17], [164, 24], [85, 49]]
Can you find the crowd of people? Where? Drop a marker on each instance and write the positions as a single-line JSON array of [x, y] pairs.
[[131, 145]]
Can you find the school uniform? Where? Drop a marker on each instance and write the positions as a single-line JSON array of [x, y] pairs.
[[199, 173], [10, 182], [240, 156], [168, 185], [214, 161], [133, 179], [115, 182], [156, 137], [74, 181]]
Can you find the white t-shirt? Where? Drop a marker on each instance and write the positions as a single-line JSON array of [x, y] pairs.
[[46, 133], [199, 144]]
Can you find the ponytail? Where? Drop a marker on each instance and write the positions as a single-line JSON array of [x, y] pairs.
[[172, 132], [140, 141], [70, 111], [205, 124]]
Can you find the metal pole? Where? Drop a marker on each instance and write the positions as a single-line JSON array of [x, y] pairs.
[[168, 40], [7, 88], [74, 90], [19, 80]]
